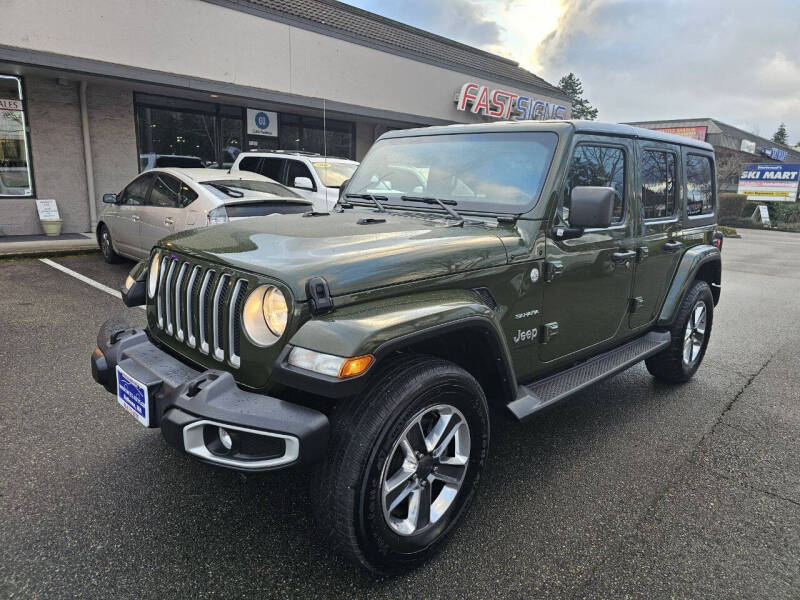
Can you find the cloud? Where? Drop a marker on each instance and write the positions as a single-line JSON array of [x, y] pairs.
[[732, 60], [463, 20]]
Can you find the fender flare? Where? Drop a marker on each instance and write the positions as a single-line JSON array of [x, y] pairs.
[[384, 327], [694, 259]]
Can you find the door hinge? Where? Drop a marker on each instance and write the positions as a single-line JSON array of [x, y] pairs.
[[636, 304], [642, 252], [553, 269], [549, 330]]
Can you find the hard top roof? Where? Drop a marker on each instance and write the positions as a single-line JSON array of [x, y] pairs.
[[594, 127]]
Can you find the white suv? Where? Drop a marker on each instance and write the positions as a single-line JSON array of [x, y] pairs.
[[313, 176]]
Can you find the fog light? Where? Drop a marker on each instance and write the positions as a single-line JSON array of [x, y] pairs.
[[225, 438]]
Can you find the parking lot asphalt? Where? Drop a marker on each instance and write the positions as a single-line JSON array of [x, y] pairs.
[[630, 489]]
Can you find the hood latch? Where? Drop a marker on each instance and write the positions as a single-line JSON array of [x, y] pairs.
[[319, 295]]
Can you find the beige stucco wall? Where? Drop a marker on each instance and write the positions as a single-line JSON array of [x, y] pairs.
[[184, 37]]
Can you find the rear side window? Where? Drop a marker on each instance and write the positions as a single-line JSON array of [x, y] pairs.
[[249, 163], [298, 169], [271, 167], [166, 192], [659, 187], [594, 165], [699, 185], [188, 195]]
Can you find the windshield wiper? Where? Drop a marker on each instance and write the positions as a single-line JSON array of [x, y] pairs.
[[372, 197], [445, 204], [226, 190]]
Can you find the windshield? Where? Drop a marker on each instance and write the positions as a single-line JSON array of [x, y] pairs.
[[333, 174], [491, 172], [248, 188]]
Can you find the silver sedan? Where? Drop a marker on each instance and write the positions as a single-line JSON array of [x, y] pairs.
[[163, 201]]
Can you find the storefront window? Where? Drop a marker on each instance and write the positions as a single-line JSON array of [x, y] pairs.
[[189, 133], [15, 163]]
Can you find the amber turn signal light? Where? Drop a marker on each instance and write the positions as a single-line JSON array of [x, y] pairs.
[[355, 366]]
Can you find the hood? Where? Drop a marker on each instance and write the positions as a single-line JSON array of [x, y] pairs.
[[350, 256]]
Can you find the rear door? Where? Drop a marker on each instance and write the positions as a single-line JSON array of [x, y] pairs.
[[659, 244], [700, 193], [162, 212], [588, 279], [125, 230]]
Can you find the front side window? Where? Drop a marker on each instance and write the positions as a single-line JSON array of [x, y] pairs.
[[659, 188], [595, 165], [487, 172], [298, 169], [166, 192], [136, 192], [699, 185], [15, 163]]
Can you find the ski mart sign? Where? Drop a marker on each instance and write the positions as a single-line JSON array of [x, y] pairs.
[[769, 182]]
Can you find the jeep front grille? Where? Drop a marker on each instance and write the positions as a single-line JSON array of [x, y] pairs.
[[201, 307]]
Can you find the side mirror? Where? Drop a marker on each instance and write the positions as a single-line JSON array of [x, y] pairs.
[[342, 188], [304, 183], [591, 207], [110, 198]]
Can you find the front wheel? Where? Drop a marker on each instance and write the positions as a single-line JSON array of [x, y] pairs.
[[404, 462], [106, 246], [690, 334]]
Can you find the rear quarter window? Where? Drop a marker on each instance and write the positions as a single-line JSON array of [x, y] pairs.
[[699, 185]]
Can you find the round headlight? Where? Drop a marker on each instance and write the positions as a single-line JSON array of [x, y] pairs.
[[264, 315], [275, 311], [152, 277]]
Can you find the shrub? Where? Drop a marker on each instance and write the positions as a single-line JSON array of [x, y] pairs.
[[727, 231], [731, 205]]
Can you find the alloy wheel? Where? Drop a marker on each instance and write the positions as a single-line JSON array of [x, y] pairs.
[[694, 333], [425, 469], [105, 241]]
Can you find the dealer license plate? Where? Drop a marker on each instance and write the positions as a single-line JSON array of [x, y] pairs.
[[133, 397]]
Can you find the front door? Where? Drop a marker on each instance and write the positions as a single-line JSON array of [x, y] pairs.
[[659, 245], [125, 228], [588, 279]]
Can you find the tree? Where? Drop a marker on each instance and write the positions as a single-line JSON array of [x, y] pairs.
[[581, 108], [781, 137]]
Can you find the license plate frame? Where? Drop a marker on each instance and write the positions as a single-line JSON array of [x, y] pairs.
[[134, 397]]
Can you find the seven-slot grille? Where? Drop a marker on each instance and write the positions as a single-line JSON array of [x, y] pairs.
[[201, 306]]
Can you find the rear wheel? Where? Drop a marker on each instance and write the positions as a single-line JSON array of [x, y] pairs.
[[106, 246], [690, 334], [405, 459]]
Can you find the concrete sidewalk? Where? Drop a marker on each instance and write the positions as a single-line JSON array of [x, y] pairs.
[[43, 245]]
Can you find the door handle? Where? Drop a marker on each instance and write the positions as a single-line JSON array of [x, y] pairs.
[[168, 221], [673, 246], [623, 256], [135, 218]]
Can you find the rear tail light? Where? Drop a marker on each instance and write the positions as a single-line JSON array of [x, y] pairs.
[[716, 239]]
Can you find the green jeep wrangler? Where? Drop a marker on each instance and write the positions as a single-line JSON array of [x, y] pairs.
[[505, 265]]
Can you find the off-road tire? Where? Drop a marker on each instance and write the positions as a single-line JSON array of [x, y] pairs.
[[346, 486], [106, 246], [669, 364]]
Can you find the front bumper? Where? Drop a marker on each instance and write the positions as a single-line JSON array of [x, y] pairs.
[[190, 406]]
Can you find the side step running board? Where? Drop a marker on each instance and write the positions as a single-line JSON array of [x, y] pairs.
[[540, 394]]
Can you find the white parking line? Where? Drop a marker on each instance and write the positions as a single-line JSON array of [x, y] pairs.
[[84, 279]]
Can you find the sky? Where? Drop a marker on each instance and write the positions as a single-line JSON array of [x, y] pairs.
[[734, 60]]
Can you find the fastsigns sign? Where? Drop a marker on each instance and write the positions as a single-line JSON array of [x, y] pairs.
[[502, 104]]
